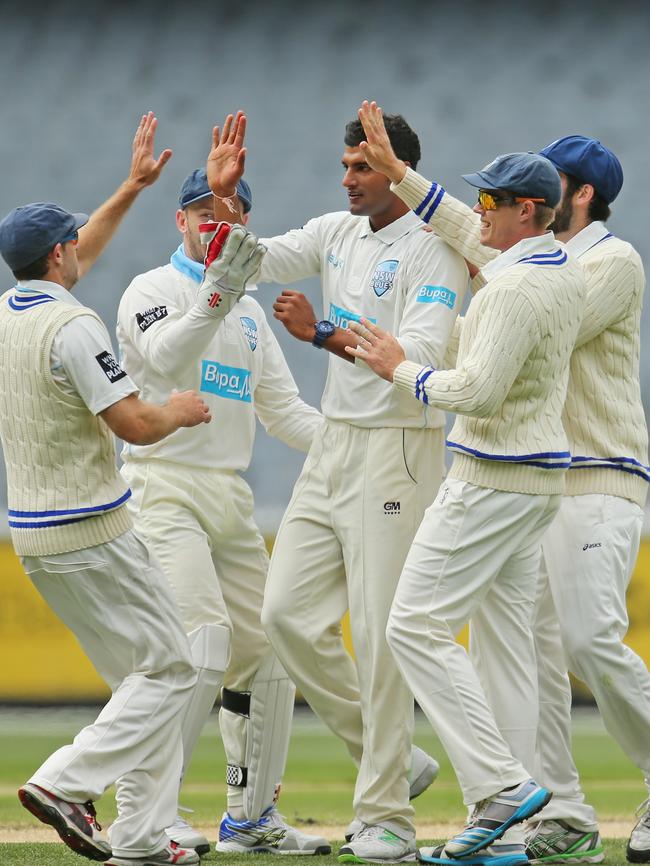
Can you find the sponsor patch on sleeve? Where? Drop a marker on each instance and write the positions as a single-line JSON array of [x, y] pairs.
[[149, 317], [436, 295], [110, 366]]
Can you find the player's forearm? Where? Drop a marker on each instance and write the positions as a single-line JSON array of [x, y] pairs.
[[100, 228], [293, 422], [452, 220], [180, 344]]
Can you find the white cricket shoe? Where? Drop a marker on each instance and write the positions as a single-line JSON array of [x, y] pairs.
[[377, 844], [493, 816], [638, 847], [187, 837], [556, 841], [424, 771], [171, 855], [270, 834]]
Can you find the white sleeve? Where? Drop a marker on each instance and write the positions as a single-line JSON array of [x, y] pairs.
[[82, 359], [169, 339], [437, 282], [277, 402], [294, 255]]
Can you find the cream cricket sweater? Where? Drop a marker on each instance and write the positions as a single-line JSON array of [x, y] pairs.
[[64, 490], [603, 415], [509, 384]]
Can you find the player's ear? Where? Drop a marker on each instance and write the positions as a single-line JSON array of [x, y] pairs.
[[181, 220]]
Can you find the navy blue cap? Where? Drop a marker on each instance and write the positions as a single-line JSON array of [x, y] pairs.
[[589, 161], [29, 232], [195, 187], [522, 174]]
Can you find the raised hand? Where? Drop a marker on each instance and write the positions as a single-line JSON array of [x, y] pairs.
[[225, 164], [379, 349], [377, 149], [145, 169]]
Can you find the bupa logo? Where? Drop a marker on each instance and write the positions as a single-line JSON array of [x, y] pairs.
[[391, 507], [334, 261], [384, 276], [342, 317], [233, 383], [250, 331], [436, 295]]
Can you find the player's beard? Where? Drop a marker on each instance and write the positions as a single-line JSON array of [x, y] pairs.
[[563, 216]]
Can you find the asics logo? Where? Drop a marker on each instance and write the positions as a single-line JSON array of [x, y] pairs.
[[591, 546]]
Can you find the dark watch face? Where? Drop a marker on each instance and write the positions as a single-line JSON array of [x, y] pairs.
[[325, 329]]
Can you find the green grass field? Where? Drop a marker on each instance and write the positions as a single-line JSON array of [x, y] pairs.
[[317, 788]]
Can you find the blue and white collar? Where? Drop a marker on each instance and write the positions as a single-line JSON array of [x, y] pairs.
[[527, 248], [590, 235], [187, 266]]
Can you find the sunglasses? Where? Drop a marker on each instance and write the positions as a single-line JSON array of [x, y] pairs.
[[71, 237], [490, 201]]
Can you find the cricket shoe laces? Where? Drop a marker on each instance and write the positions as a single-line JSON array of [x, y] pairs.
[[555, 841], [499, 854], [638, 846], [270, 834], [76, 823], [377, 844], [171, 855], [494, 815]]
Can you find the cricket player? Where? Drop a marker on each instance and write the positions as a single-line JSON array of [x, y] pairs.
[[591, 547], [373, 467], [61, 394], [476, 554], [196, 511]]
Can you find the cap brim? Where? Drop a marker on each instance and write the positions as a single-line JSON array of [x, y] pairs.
[[478, 180], [197, 198], [80, 219]]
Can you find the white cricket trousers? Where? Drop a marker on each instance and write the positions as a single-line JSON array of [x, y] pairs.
[[581, 620], [200, 525], [475, 558], [117, 602], [341, 545]]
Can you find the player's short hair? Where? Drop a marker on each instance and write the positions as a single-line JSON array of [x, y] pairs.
[[598, 208], [544, 215], [403, 139], [34, 271]]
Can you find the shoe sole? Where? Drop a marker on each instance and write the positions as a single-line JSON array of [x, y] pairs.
[[595, 856], [635, 856], [527, 809], [231, 848], [352, 858], [74, 839], [505, 860]]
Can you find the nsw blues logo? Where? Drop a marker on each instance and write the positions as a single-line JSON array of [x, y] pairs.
[[384, 276], [233, 383], [436, 295], [250, 330]]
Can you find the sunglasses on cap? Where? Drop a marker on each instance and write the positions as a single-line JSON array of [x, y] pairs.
[[490, 200], [73, 236]]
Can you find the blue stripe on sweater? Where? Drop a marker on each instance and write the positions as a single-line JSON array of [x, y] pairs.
[[87, 511]]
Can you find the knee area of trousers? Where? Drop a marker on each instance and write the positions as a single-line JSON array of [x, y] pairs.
[[277, 619]]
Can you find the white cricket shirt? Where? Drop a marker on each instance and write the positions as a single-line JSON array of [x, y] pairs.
[[236, 366], [402, 277]]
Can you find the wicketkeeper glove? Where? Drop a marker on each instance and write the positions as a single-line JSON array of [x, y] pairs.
[[233, 255]]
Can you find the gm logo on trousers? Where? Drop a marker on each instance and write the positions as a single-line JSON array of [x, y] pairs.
[[233, 383]]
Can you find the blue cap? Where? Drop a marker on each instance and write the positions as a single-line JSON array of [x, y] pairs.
[[195, 187], [523, 174], [589, 161], [29, 232]]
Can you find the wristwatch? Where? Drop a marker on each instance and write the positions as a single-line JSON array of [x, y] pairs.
[[322, 331]]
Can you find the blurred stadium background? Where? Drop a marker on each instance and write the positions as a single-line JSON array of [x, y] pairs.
[[473, 79]]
